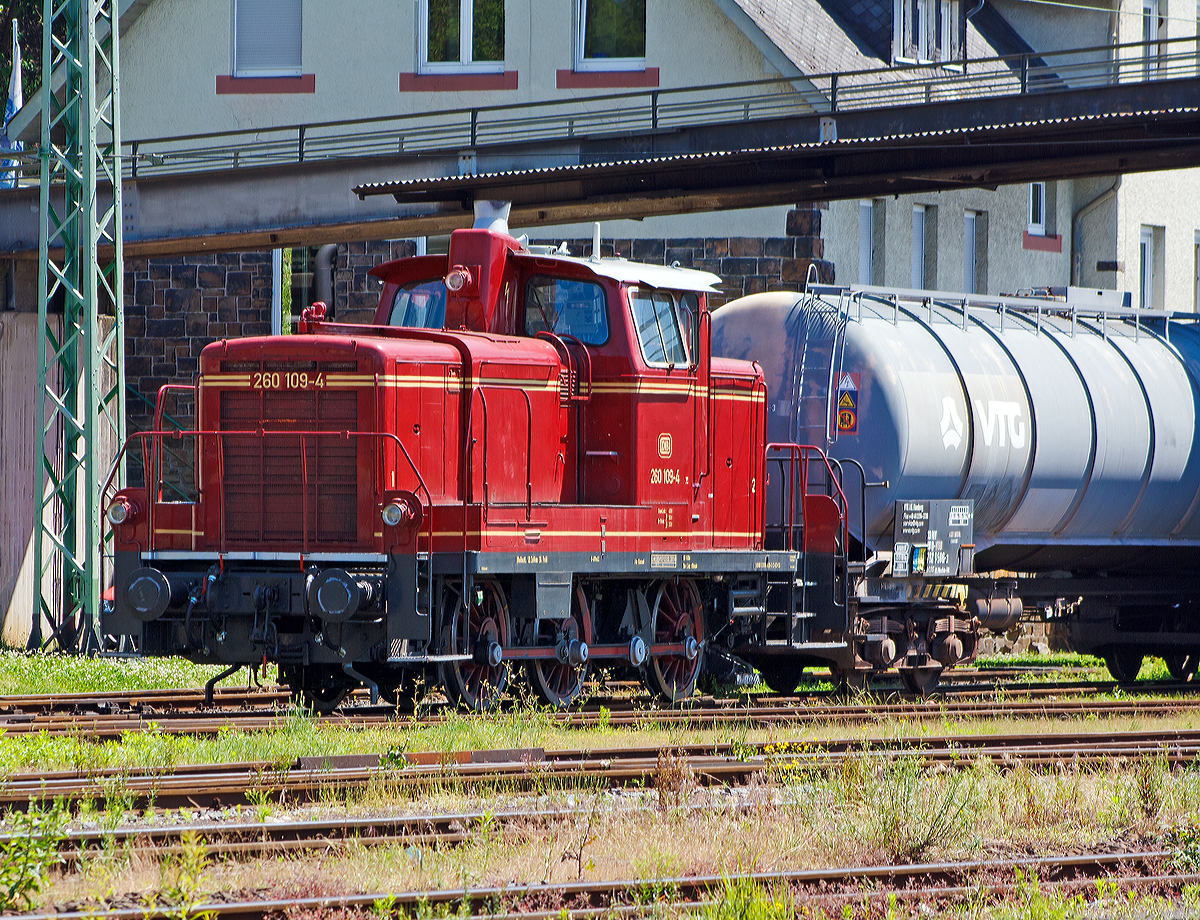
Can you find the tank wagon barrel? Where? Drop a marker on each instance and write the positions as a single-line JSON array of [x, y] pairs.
[[1067, 421]]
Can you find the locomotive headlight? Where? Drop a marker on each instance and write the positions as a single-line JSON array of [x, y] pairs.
[[119, 512], [458, 278], [393, 513]]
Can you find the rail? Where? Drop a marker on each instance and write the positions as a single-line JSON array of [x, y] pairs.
[[656, 110]]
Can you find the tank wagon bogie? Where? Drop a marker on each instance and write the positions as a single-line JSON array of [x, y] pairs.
[[530, 465]]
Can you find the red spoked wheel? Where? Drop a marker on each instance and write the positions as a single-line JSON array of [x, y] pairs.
[[477, 627], [678, 619], [559, 681]]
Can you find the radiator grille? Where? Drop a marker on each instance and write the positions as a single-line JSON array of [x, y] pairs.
[[268, 479]]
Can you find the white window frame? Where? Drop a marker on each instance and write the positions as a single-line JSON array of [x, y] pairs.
[[239, 71], [1146, 269], [1037, 209], [866, 240], [970, 269], [1151, 33], [466, 36], [918, 247], [933, 17], [598, 65]]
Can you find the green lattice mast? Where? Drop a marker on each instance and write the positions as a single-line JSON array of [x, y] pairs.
[[81, 361]]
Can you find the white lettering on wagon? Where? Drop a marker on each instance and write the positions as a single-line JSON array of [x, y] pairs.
[[999, 419]]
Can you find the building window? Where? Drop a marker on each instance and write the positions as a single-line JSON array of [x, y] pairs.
[[1151, 32], [611, 35], [866, 240], [266, 38], [975, 252], [1151, 268], [461, 35], [1196, 271], [1037, 208], [925, 31], [918, 247]]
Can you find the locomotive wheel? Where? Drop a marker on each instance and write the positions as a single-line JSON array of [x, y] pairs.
[[1124, 664], [678, 617], [782, 674], [324, 689], [476, 684], [1183, 665], [560, 683], [923, 680]]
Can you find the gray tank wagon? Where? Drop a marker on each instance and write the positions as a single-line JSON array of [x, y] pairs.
[[1068, 421]]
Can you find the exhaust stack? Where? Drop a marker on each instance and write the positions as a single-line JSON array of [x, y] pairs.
[[492, 215]]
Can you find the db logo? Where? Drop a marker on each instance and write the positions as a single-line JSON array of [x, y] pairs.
[[664, 446]]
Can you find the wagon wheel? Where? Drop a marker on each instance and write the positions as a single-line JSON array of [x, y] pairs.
[[782, 674], [678, 619], [557, 682], [475, 629], [1124, 664], [921, 680], [1183, 665]]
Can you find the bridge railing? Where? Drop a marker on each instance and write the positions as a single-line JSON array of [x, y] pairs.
[[646, 111]]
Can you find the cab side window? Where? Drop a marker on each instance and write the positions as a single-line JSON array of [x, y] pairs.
[[666, 325], [565, 306], [420, 305]]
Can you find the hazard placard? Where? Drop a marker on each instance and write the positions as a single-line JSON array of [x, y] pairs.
[[847, 403]]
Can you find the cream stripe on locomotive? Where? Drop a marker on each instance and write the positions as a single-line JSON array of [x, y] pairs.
[[415, 381]]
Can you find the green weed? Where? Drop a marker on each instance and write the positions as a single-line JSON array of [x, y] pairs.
[[27, 857]]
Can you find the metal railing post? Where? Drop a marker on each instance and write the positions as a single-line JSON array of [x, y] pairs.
[[474, 125], [654, 110], [833, 91], [1024, 74], [300, 150]]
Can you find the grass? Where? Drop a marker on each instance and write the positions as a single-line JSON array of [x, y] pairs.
[[865, 812], [48, 674]]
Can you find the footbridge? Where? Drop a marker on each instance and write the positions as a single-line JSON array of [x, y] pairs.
[[1085, 112]]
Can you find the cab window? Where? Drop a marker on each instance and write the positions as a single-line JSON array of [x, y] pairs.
[[420, 305], [666, 325], [565, 306]]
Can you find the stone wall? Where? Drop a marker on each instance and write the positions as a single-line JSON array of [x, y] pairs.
[[174, 306], [356, 293]]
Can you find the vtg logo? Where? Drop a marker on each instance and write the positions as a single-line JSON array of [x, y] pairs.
[[1001, 418], [664, 446]]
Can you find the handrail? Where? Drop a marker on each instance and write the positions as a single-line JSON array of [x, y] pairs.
[[263, 433], [798, 455], [583, 396], [528, 449], [1025, 73]]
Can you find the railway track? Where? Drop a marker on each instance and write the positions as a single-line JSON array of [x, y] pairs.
[[205, 786], [946, 881], [175, 700], [1065, 700]]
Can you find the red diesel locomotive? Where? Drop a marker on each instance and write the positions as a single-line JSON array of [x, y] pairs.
[[530, 464]]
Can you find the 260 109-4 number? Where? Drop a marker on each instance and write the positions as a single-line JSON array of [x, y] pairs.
[[286, 380]]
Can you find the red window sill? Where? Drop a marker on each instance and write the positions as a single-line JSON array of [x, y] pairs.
[[457, 82], [255, 86], [1042, 243], [606, 79]]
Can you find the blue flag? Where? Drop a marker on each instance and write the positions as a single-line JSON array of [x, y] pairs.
[[16, 99]]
